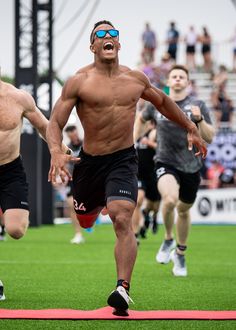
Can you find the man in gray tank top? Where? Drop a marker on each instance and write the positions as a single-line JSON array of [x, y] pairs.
[[177, 168]]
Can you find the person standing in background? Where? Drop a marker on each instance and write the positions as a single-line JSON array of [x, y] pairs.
[[191, 40], [205, 40], [149, 44], [172, 41], [233, 40], [222, 107]]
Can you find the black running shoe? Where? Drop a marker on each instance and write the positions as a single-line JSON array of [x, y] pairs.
[[142, 232], [146, 219], [2, 296], [119, 299], [2, 233]]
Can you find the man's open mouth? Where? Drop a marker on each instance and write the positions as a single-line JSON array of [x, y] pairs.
[[108, 46]]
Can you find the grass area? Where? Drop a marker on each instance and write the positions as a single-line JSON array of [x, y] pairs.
[[44, 270]]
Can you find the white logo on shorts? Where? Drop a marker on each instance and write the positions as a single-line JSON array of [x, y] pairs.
[[160, 172], [80, 207], [139, 184], [24, 203], [126, 192]]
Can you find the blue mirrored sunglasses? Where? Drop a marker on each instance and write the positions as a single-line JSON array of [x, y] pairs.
[[101, 33]]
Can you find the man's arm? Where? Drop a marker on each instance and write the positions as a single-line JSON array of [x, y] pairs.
[[206, 131], [205, 127], [170, 110], [60, 114], [167, 107], [58, 119], [36, 118], [33, 114]]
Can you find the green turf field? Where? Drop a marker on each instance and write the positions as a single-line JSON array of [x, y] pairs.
[[44, 270]]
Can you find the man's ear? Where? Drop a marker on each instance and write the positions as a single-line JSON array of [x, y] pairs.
[[92, 49], [119, 47]]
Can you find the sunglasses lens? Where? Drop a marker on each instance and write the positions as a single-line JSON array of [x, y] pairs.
[[113, 33], [101, 33]]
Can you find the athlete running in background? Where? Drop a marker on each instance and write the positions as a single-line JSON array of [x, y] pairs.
[[177, 168], [147, 189]]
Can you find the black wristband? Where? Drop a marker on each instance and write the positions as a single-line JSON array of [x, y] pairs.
[[198, 121]]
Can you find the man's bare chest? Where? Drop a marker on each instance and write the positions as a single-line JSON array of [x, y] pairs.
[[10, 116], [106, 93]]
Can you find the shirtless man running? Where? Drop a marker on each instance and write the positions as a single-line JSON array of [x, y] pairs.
[[105, 95], [16, 104]]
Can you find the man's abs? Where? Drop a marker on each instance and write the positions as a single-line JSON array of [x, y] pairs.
[[112, 132], [105, 147], [10, 149]]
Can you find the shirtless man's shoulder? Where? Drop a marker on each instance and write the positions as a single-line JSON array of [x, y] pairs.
[[71, 86], [139, 75], [20, 97]]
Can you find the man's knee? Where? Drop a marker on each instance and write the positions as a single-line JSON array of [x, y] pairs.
[[121, 216], [16, 222], [183, 211], [122, 222], [170, 202], [16, 229]]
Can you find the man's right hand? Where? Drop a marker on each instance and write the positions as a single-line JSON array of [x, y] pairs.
[[58, 166]]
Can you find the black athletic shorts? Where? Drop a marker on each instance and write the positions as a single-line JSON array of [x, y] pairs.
[[149, 185], [188, 182], [172, 50], [13, 186], [190, 49], [100, 179], [206, 49]]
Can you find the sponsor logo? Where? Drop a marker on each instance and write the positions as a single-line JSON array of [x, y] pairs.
[[140, 185], [24, 203], [160, 171], [204, 206], [187, 107], [126, 192]]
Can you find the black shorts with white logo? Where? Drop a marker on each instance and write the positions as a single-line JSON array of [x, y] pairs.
[[98, 180], [188, 182], [13, 186]]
